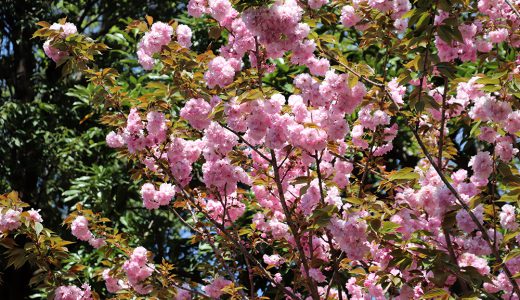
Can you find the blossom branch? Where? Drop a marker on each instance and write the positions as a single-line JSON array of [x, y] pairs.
[[461, 202], [303, 259]]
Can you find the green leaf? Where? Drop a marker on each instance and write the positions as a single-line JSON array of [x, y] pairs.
[[38, 227], [511, 180], [500, 74], [321, 216], [455, 33], [444, 34], [328, 38], [364, 70], [439, 277], [404, 174], [250, 95], [36, 279], [149, 20], [450, 33], [449, 220], [215, 32], [354, 200], [302, 180], [504, 169], [510, 236], [488, 81], [444, 5], [447, 69], [431, 102], [514, 253], [423, 21], [352, 81], [475, 130], [389, 227], [217, 113], [434, 293], [409, 13]]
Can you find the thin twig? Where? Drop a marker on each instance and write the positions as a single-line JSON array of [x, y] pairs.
[[443, 121], [513, 8], [475, 220], [493, 183], [241, 138], [294, 230], [449, 244], [227, 235], [366, 167]]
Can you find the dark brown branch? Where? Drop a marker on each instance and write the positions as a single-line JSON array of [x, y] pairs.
[[241, 138], [294, 230], [443, 121], [461, 202], [366, 167], [513, 8]]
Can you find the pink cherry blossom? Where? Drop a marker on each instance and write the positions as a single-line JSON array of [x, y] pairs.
[[72, 292], [196, 8], [137, 270], [159, 35], [183, 35], [348, 16], [396, 91], [508, 217], [482, 166], [214, 289], [34, 215], [80, 228], [499, 35], [52, 52], [10, 220], [197, 111], [469, 259], [113, 284], [220, 72]]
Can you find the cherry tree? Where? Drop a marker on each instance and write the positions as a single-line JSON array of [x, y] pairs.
[[288, 181]]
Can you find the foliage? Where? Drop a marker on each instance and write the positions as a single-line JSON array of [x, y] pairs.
[[53, 151]]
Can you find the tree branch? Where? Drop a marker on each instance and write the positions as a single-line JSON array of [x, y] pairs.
[[483, 230], [294, 230]]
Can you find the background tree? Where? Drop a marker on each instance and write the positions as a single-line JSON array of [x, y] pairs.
[[53, 151]]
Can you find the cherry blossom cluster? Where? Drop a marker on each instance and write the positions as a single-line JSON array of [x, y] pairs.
[[136, 136], [113, 284], [296, 155], [495, 114], [153, 198], [371, 120], [159, 35], [11, 219], [479, 36], [430, 202], [214, 289], [311, 120], [72, 292], [353, 16], [81, 231], [65, 30], [465, 50], [138, 269], [278, 29]]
